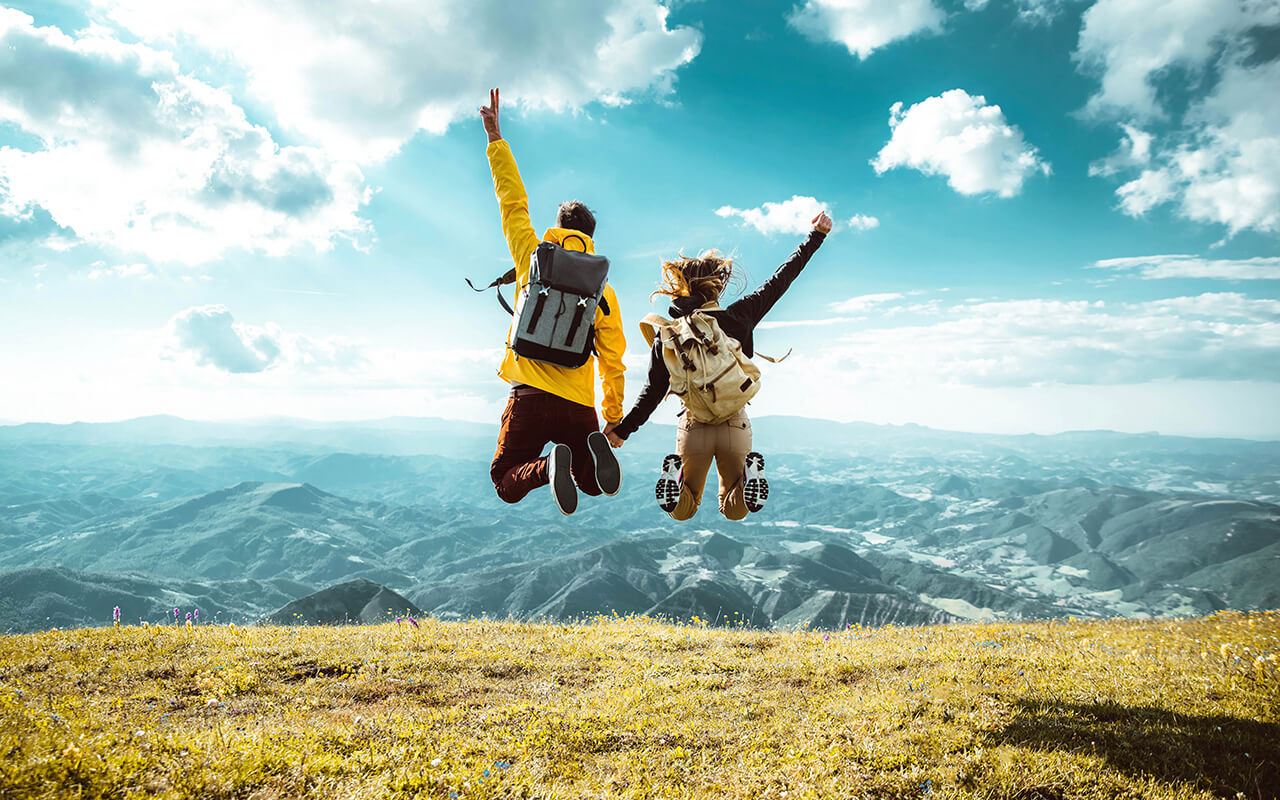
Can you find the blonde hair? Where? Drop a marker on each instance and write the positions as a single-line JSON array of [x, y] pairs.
[[705, 276]]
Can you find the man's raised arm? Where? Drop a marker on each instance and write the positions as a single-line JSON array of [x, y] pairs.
[[513, 202]]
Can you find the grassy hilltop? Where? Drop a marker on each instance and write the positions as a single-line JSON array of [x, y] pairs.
[[638, 708]]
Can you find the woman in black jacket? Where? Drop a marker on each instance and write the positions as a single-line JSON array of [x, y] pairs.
[[696, 284]]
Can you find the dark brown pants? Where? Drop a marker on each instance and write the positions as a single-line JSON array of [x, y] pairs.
[[531, 420]]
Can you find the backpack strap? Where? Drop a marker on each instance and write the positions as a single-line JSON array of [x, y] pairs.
[[652, 326], [538, 308], [578, 313], [773, 360], [507, 277]]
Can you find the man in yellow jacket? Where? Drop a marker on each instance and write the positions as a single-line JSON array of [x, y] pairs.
[[550, 403]]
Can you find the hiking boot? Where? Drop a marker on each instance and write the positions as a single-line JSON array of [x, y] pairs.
[[608, 472], [755, 489], [559, 469], [670, 482]]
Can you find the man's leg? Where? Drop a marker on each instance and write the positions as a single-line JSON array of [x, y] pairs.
[[518, 465], [733, 442], [695, 444], [570, 424]]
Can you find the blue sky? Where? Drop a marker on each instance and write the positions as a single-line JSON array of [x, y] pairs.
[[1051, 214]]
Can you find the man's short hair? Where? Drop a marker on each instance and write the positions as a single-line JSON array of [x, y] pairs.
[[575, 216]]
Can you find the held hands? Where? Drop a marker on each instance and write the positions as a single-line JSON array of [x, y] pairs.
[[489, 116], [821, 223], [614, 439]]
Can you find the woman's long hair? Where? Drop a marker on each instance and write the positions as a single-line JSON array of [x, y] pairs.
[[705, 276]]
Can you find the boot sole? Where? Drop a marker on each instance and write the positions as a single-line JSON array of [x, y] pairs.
[[608, 471], [755, 489], [669, 483], [559, 467]]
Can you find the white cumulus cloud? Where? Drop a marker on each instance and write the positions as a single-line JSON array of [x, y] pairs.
[[789, 216], [362, 78], [863, 222], [1217, 161], [134, 154], [210, 336], [864, 26], [1262, 268], [1131, 43], [958, 135]]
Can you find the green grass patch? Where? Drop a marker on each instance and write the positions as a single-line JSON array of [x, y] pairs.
[[637, 708]]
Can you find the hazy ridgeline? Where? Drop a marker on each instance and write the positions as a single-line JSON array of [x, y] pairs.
[[866, 524]]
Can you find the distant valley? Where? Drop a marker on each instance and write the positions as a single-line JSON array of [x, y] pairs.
[[866, 524]]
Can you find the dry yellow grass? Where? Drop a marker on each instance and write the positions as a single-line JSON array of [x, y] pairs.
[[639, 708]]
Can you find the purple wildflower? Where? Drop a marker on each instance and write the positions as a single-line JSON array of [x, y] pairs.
[[826, 638], [197, 614], [177, 612], [399, 620], [115, 614], [188, 616], [413, 622]]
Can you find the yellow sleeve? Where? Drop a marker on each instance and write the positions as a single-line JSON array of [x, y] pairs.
[[611, 343], [513, 204]]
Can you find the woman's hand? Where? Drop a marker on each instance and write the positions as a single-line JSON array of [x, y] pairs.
[[489, 116], [822, 223]]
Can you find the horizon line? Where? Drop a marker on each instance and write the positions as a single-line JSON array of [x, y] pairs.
[[1274, 437]]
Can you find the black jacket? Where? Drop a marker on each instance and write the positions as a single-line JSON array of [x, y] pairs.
[[739, 321]]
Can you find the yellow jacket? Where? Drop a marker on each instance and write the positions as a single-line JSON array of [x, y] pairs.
[[577, 384]]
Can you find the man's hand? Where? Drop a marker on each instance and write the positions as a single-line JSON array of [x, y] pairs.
[[489, 116], [614, 439], [821, 223]]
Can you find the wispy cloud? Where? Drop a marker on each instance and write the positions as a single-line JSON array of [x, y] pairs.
[[305, 291], [1187, 266], [1212, 336], [210, 336], [861, 303], [101, 270]]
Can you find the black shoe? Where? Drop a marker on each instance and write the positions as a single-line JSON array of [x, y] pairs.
[[755, 489], [608, 472], [559, 468], [670, 482]]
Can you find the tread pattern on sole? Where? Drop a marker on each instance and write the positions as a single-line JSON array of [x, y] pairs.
[[670, 482], [755, 488]]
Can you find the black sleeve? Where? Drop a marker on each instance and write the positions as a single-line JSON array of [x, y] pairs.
[[752, 308], [655, 389]]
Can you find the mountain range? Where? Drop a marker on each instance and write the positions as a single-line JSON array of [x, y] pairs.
[[865, 524]]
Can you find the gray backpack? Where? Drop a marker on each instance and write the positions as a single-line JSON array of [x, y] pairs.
[[555, 313]]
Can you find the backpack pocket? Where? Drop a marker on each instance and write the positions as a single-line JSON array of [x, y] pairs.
[[555, 326]]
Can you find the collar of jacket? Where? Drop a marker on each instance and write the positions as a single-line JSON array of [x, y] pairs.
[[561, 235], [684, 306]]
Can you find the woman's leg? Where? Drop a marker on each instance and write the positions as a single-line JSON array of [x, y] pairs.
[[696, 446], [733, 442]]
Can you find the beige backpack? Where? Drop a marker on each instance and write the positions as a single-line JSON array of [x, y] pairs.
[[709, 372]]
